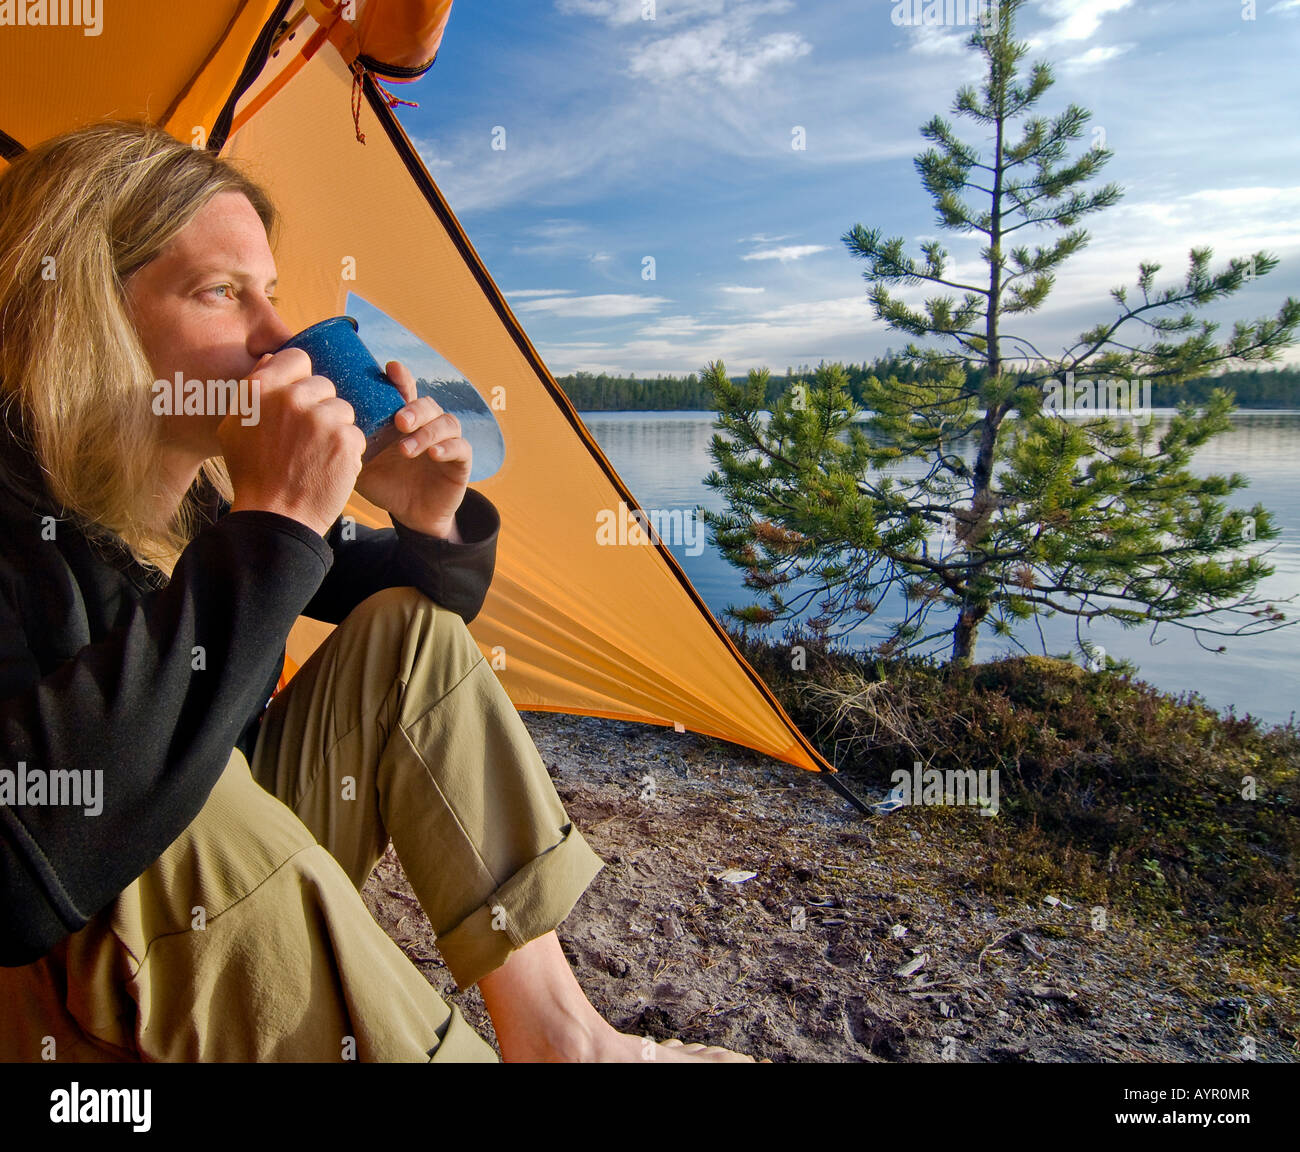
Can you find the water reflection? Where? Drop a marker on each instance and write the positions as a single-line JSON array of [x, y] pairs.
[[664, 457]]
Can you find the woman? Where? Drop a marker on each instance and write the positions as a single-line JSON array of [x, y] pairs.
[[204, 903]]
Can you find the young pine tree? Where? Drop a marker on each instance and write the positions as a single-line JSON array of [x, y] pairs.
[[1094, 518]]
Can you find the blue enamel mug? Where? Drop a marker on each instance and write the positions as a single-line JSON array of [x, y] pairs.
[[338, 354]]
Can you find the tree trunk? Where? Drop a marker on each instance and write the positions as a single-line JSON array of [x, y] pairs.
[[983, 505], [966, 633]]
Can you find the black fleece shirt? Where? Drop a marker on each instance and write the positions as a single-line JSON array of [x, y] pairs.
[[107, 667]]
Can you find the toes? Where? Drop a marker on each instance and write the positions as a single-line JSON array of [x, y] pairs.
[[707, 1052]]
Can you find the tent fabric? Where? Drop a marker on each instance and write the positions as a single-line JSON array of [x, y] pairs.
[[399, 38], [174, 64], [571, 624]]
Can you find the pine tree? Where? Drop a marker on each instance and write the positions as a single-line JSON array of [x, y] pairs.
[[1093, 518]]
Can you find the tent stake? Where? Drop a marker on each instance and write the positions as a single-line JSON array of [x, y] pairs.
[[832, 778]]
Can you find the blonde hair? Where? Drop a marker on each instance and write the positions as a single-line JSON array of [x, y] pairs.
[[78, 215]]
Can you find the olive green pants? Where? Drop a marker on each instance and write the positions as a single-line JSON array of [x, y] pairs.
[[248, 939]]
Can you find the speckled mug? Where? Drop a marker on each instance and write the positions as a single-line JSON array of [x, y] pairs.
[[338, 354]]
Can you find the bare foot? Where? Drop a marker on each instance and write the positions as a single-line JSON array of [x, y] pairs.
[[686, 1053], [621, 1048], [542, 1015]]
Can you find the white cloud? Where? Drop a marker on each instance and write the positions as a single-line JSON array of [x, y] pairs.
[[557, 237], [1231, 221], [429, 150], [556, 229], [1098, 55], [1076, 19], [932, 40], [524, 293], [1257, 196], [611, 11], [677, 327], [711, 41], [656, 13], [480, 178], [602, 306], [788, 252], [719, 51], [742, 290], [805, 331]]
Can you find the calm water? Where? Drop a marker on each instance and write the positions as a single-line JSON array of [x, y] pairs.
[[664, 457]]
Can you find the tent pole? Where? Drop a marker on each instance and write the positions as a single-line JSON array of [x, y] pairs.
[[9, 147]]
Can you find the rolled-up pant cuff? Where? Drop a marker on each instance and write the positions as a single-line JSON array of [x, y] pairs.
[[533, 902]]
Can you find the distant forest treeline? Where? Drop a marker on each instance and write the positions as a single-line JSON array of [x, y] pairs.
[[1271, 388]]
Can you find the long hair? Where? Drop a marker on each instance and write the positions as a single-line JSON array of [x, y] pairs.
[[78, 214]]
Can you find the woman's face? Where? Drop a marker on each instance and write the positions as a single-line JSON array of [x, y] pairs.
[[204, 307]]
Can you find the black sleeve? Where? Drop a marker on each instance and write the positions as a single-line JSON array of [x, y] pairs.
[[136, 706], [368, 560]]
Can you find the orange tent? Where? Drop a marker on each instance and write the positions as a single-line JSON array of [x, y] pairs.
[[285, 88]]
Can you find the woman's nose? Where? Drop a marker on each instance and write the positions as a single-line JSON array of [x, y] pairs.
[[271, 332]]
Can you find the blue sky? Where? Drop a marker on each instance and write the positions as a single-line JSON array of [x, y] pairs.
[[672, 139]]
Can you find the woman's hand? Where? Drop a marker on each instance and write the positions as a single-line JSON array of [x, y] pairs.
[[302, 456], [421, 485]]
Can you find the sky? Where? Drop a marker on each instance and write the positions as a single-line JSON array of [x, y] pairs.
[[652, 194]]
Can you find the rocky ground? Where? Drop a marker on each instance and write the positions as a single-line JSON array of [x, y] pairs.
[[856, 938]]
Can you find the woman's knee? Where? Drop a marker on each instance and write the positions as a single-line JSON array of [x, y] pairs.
[[432, 643], [404, 607]]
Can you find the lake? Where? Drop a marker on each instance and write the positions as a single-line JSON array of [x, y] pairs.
[[664, 457]]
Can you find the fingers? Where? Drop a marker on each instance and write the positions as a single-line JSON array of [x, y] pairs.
[[316, 395], [285, 367], [426, 426], [448, 451], [444, 448], [424, 413], [401, 377], [418, 412]]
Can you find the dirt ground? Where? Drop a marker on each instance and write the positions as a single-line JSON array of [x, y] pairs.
[[857, 939]]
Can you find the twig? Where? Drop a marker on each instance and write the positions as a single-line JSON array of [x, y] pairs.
[[994, 944]]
